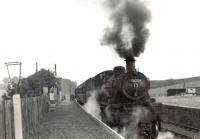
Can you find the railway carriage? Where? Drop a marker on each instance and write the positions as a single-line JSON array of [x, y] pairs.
[[83, 91]]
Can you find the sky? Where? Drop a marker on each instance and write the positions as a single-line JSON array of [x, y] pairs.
[[68, 33]]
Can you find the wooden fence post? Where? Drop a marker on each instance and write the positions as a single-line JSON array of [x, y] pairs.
[[2, 120], [17, 116], [9, 119]]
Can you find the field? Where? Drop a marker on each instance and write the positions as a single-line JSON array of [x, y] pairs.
[[162, 83], [189, 101]]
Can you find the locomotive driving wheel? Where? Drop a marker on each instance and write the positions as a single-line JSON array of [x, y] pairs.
[[149, 130]]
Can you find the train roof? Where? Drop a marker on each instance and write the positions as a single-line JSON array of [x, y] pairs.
[[107, 72], [83, 83]]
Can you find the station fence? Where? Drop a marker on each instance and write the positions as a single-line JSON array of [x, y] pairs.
[[33, 110]]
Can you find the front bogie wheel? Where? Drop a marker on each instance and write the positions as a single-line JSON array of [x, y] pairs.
[[149, 130]]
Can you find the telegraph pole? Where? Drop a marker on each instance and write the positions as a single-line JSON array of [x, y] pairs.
[[36, 64], [55, 70]]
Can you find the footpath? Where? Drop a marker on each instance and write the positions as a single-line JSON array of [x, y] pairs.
[[69, 121]]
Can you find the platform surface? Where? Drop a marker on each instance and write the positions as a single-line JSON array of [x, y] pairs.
[[69, 121]]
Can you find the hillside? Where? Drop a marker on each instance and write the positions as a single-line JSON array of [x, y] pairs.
[[161, 83]]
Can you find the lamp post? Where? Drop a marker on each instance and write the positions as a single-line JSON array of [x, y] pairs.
[[13, 87]]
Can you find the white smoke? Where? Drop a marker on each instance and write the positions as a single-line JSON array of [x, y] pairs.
[[165, 135], [132, 131], [92, 105]]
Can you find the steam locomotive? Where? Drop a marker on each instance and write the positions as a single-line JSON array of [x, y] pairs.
[[123, 99]]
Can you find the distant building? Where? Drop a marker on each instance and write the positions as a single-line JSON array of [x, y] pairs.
[[67, 88], [162, 91]]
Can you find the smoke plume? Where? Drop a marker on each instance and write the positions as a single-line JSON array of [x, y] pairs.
[[92, 105], [128, 33]]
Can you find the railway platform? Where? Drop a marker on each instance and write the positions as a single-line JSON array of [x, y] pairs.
[[69, 121]]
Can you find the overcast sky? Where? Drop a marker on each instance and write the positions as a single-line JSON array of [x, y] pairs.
[[68, 33]]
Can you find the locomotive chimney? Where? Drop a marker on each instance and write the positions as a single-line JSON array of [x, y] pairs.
[[130, 64]]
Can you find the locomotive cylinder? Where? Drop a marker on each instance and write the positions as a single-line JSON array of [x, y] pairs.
[[130, 64]]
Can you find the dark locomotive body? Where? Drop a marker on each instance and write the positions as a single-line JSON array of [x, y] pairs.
[[83, 91], [119, 94]]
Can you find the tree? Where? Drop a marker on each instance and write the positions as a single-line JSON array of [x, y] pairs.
[[25, 89], [43, 78], [33, 84]]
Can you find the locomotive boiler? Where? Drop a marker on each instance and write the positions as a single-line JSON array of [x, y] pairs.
[[122, 95]]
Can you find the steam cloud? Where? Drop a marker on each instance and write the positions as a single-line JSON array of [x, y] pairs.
[[128, 33], [165, 135], [92, 106], [131, 131]]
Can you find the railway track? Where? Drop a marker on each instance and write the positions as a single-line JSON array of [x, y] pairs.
[[180, 131], [182, 121]]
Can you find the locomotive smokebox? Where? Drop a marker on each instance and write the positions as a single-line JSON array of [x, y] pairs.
[[130, 64]]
